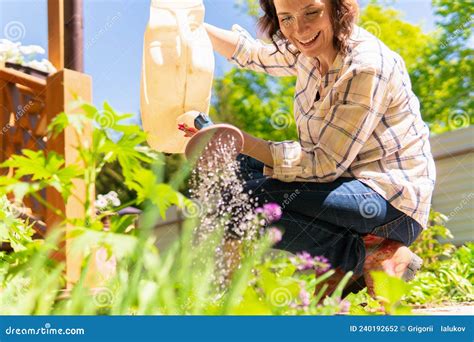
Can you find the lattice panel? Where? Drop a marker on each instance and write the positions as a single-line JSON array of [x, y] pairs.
[[25, 122]]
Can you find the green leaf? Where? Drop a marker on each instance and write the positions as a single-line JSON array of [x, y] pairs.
[[49, 169], [144, 182], [390, 290]]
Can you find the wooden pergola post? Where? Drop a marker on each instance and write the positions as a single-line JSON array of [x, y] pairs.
[[56, 33], [61, 87], [65, 51]]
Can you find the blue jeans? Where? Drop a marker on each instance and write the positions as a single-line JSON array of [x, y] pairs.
[[328, 219]]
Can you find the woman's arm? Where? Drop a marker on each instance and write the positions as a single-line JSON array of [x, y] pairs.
[[223, 41], [247, 53], [257, 148]]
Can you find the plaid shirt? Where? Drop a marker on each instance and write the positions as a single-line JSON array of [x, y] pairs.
[[365, 123]]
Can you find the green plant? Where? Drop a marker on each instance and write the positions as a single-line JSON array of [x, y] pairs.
[[446, 281], [178, 281], [443, 75], [256, 103], [138, 163], [429, 247], [13, 230], [389, 294], [448, 273]]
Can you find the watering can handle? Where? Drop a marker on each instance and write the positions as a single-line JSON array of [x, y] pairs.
[[202, 121], [196, 119]]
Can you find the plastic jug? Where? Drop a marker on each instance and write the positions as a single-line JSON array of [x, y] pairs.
[[177, 71]]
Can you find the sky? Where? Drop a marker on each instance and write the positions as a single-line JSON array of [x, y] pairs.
[[113, 38]]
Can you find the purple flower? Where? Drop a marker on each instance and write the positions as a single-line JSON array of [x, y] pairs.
[[275, 234], [321, 265], [303, 261], [271, 211]]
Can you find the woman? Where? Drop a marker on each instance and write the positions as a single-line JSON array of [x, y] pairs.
[[357, 185]]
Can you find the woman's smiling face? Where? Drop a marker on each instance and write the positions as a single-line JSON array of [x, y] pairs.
[[307, 25]]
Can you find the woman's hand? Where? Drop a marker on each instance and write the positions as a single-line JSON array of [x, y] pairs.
[[188, 131]]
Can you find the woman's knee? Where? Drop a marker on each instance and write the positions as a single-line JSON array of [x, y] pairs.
[[249, 168]]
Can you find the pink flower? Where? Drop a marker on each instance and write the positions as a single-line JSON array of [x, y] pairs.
[[321, 265], [275, 234], [304, 297], [271, 211], [304, 261], [344, 306]]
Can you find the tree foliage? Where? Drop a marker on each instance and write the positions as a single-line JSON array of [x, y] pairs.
[[258, 104], [387, 24], [443, 77]]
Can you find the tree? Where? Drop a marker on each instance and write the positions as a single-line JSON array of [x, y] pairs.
[[387, 24], [443, 77]]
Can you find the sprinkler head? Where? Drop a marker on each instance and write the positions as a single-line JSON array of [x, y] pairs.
[[209, 140]]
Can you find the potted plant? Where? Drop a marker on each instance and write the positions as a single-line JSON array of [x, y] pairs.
[[23, 58]]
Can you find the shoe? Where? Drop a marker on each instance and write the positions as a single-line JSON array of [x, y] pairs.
[[376, 244], [414, 266], [393, 258], [409, 274]]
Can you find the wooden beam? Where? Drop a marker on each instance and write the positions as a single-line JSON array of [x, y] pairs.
[[15, 76], [56, 33]]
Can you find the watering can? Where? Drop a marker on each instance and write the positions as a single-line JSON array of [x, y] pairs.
[[177, 75]]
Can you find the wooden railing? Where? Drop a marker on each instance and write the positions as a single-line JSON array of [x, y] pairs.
[[27, 105]]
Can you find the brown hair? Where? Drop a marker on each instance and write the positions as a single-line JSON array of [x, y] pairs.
[[343, 17]]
